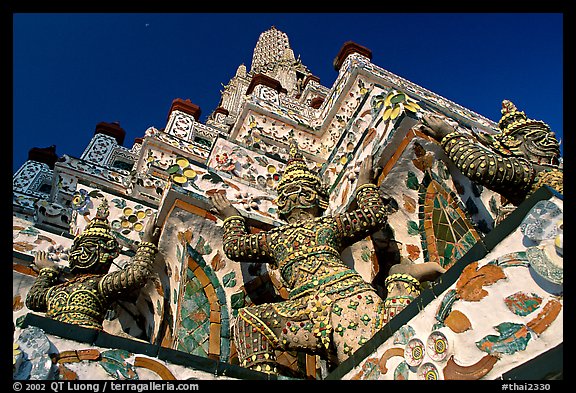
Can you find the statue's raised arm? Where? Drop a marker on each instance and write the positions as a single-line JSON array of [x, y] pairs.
[[238, 244], [85, 297], [524, 156], [372, 211]]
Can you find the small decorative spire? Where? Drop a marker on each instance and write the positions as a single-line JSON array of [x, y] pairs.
[[294, 153], [102, 212], [272, 46], [508, 107], [511, 117], [99, 225]]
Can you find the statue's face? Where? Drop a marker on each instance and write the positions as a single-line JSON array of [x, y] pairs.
[[298, 196], [536, 145], [92, 255]]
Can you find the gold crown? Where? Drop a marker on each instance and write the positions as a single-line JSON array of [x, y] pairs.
[[513, 120], [297, 172]]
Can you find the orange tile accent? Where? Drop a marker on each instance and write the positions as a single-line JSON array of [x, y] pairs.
[[74, 356], [214, 343], [155, 366], [458, 322], [17, 303], [192, 209], [212, 297], [392, 161], [214, 306], [214, 316], [390, 352], [475, 371], [167, 340], [201, 276], [545, 318], [24, 270], [311, 366], [66, 374], [471, 282]]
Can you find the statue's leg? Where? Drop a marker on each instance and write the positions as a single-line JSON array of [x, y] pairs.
[[255, 340], [354, 321], [357, 318], [260, 330]]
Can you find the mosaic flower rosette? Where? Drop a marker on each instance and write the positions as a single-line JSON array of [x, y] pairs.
[[422, 359], [428, 371], [544, 225], [539, 224], [438, 347], [180, 172], [193, 180], [81, 201], [414, 352], [127, 219], [397, 102], [131, 219], [544, 266]]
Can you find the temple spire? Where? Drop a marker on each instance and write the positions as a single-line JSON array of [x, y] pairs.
[[274, 58], [272, 47]]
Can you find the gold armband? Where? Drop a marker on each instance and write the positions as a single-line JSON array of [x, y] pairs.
[[449, 136], [370, 185], [49, 271], [233, 218], [402, 277], [148, 245]]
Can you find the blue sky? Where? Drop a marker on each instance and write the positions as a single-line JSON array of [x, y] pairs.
[[72, 71]]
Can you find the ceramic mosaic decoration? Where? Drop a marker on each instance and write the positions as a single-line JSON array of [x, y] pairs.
[[525, 313], [425, 271]]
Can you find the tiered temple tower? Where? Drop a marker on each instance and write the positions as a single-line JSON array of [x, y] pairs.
[[500, 277]]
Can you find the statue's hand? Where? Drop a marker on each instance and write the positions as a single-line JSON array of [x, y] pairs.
[[435, 127], [366, 173], [151, 231], [41, 261], [223, 206], [426, 271]]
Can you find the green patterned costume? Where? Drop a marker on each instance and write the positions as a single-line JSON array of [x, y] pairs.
[[84, 299], [331, 310]]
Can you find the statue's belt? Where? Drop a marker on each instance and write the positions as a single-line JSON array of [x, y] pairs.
[[308, 255], [327, 281], [86, 312]]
